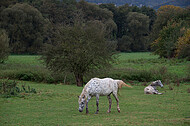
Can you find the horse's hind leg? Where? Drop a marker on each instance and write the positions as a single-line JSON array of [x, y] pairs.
[[117, 99], [110, 102], [97, 103]]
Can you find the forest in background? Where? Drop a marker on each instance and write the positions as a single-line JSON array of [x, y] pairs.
[[28, 25], [79, 38], [155, 4]]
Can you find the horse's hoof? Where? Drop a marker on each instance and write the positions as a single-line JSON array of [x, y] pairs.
[[108, 111], [118, 110]]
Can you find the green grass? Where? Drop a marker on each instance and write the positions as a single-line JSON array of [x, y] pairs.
[[58, 105], [147, 60], [139, 62], [24, 59], [129, 66], [137, 55]]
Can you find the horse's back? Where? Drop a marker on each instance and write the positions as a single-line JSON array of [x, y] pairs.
[[103, 86], [149, 90]]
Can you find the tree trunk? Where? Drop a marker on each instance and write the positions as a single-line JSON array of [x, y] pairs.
[[79, 80]]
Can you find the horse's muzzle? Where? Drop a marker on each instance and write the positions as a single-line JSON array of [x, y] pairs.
[[80, 110]]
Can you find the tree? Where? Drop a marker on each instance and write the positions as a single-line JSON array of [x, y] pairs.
[[79, 50], [164, 15], [57, 11], [124, 44], [183, 46], [4, 46], [120, 19], [165, 45], [151, 13], [138, 29], [177, 21], [5, 3], [91, 12], [26, 28], [124, 34]]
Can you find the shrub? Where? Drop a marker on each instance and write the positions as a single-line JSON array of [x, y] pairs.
[[144, 75], [9, 88]]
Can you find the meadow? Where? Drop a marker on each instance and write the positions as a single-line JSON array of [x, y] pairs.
[[141, 67], [57, 103]]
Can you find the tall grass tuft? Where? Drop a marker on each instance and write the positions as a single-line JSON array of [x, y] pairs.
[[9, 88]]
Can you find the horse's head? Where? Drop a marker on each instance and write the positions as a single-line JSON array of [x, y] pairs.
[[157, 83], [82, 102]]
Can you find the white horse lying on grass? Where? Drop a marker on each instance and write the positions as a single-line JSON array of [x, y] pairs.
[[151, 89], [100, 87]]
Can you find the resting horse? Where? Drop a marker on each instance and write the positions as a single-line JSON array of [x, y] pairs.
[[100, 87], [151, 89]]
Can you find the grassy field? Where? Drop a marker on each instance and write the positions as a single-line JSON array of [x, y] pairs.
[[147, 61], [129, 66], [55, 105]]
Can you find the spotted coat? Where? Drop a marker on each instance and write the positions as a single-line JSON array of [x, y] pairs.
[[100, 87]]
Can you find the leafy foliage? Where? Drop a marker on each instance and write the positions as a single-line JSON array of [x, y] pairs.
[[9, 88], [91, 12], [138, 28], [183, 46], [174, 22], [165, 45], [164, 15], [4, 45], [79, 50], [26, 28]]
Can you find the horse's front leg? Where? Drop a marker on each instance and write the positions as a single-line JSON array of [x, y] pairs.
[[97, 103], [88, 99], [110, 102]]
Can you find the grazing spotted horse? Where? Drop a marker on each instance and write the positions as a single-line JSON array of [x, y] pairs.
[[100, 87], [151, 89]]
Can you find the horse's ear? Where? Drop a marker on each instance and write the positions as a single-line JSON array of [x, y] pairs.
[[78, 96]]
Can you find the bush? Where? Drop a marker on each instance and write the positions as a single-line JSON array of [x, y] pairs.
[[34, 74], [9, 88], [4, 46], [145, 75]]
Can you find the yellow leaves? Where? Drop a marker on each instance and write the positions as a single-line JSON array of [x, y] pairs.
[[169, 9], [183, 42]]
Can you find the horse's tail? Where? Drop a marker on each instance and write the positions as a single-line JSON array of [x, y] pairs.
[[120, 84]]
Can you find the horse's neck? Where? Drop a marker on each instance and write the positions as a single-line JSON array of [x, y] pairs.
[[153, 86], [84, 91]]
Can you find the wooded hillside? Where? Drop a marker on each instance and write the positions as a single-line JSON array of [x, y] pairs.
[[151, 3]]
